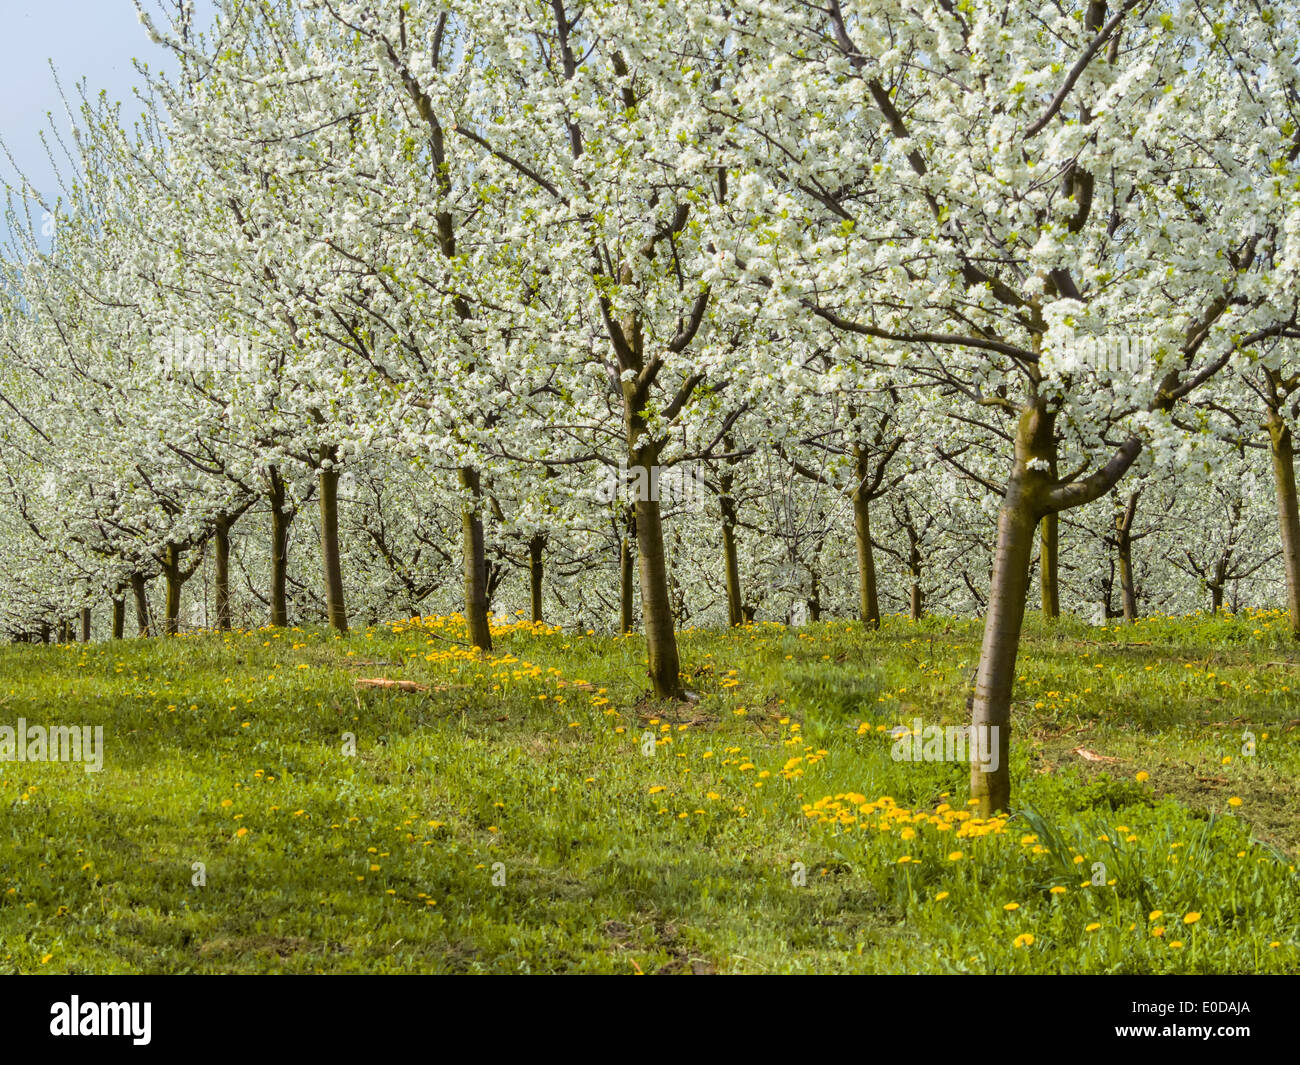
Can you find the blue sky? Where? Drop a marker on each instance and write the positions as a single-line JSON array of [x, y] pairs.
[[94, 39]]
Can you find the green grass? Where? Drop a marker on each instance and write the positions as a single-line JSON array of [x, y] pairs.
[[532, 767]]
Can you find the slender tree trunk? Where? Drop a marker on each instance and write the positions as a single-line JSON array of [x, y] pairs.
[[222, 574], [643, 463], [329, 543], [815, 598], [626, 568], [140, 592], [656, 607], [65, 631], [175, 581], [730, 559], [1049, 571], [916, 601], [1002, 625], [475, 560], [536, 571], [119, 618], [280, 521], [1124, 547], [1288, 511], [1005, 615], [868, 601], [45, 632], [1128, 592], [85, 624], [731, 562]]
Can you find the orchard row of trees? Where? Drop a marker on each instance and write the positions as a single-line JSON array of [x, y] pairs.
[[399, 290]]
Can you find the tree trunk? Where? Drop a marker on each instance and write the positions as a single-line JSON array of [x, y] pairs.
[[731, 562], [815, 598], [643, 464], [139, 591], [656, 607], [535, 573], [916, 600], [85, 624], [329, 543], [1049, 571], [868, 602], [222, 574], [1004, 617], [175, 581], [626, 565], [119, 618], [475, 559], [1288, 511], [280, 521], [1124, 545]]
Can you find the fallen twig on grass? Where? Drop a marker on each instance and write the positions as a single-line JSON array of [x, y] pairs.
[[1092, 756], [384, 682]]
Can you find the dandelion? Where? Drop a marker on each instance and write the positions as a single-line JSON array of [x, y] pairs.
[[1234, 801], [1143, 777], [943, 895], [1191, 918], [1025, 939], [1011, 906], [1092, 927]]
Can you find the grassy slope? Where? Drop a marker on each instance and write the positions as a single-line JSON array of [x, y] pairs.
[[230, 751]]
